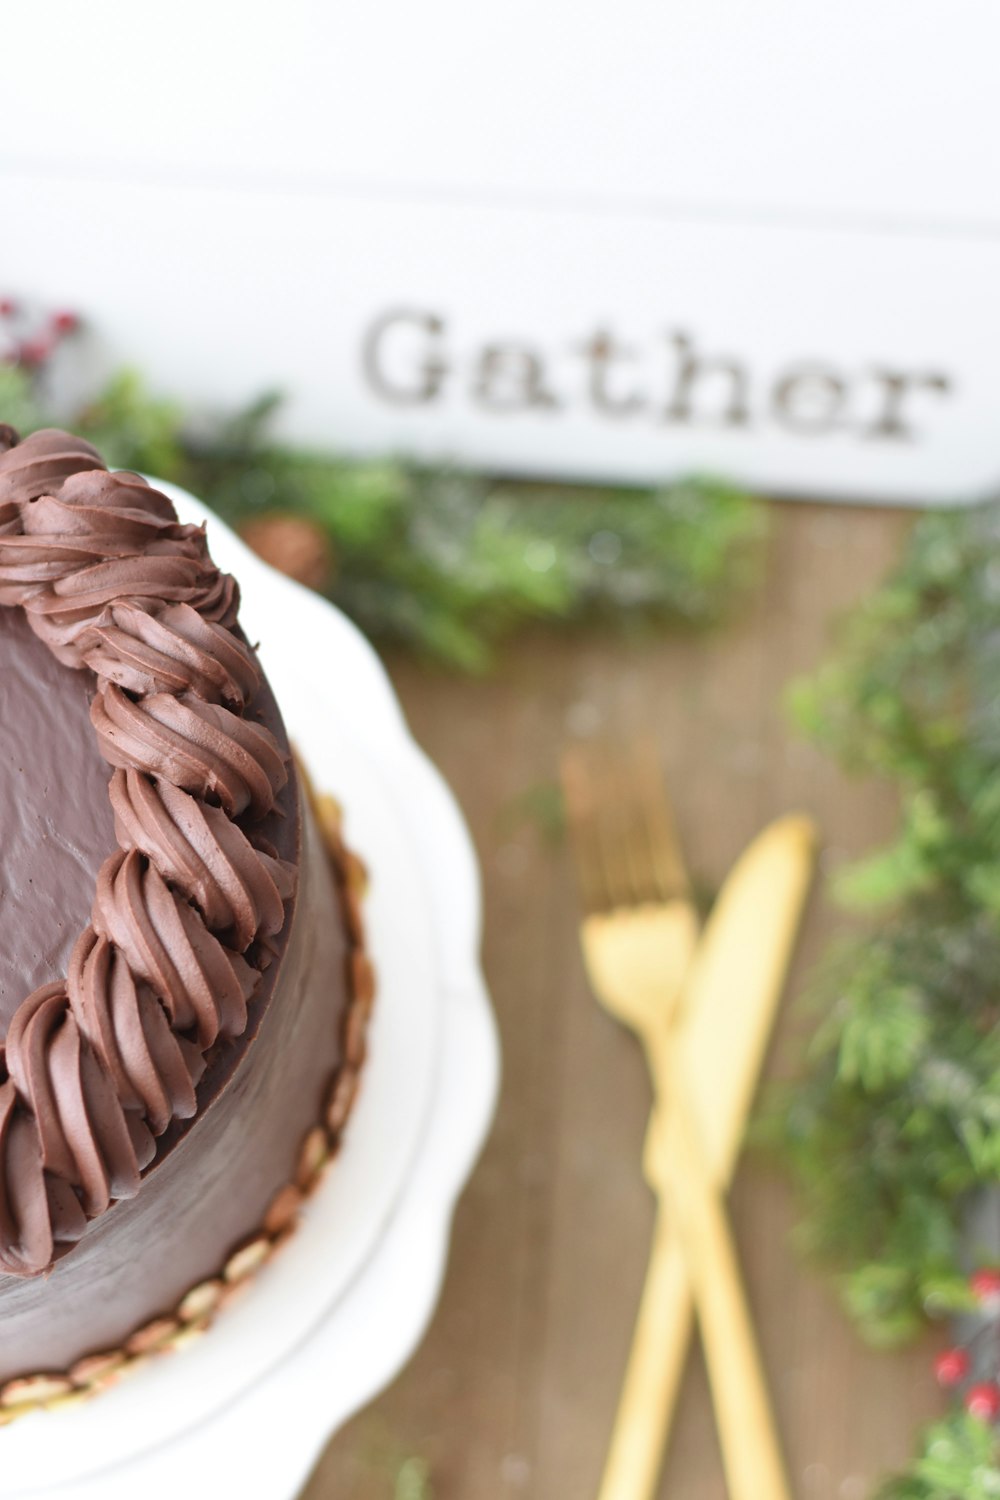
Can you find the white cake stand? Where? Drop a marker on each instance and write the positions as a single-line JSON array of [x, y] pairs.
[[248, 1409]]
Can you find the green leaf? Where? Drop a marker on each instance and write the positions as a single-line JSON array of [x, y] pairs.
[[19, 406], [881, 1043], [413, 1481], [959, 1459]]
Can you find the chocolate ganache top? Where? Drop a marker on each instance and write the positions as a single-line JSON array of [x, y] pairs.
[[97, 1062], [56, 823]]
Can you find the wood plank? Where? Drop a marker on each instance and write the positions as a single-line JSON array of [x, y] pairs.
[[513, 1391]]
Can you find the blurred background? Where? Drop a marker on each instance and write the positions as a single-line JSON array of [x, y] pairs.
[[541, 239], [616, 368]]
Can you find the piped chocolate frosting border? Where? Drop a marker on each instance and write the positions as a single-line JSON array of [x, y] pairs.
[[95, 1066]]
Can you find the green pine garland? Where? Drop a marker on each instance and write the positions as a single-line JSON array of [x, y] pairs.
[[896, 1126], [957, 1460], [442, 561]]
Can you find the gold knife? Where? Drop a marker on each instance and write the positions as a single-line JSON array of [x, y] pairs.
[[729, 1004]]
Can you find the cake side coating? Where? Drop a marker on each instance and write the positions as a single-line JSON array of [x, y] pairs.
[[213, 1206], [103, 1069]]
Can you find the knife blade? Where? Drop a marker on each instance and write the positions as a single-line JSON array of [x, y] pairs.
[[731, 995]]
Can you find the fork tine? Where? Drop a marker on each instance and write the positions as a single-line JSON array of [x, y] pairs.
[[637, 854], [612, 816], [596, 801], [622, 827], [659, 830], [579, 794], [640, 849]]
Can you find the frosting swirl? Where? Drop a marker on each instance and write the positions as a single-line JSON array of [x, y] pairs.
[[154, 1071], [185, 912], [101, 540], [176, 651], [36, 1211], [85, 1138], [199, 746], [239, 889], [203, 985], [40, 464]]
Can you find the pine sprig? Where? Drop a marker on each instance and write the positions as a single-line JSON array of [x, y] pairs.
[[895, 1128], [958, 1459], [440, 560], [898, 1118]]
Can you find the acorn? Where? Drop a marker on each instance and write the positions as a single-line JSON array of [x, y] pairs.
[[295, 545]]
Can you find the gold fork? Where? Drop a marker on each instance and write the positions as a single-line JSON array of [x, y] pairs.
[[638, 937]]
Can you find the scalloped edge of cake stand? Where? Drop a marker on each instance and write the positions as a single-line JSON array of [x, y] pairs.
[[264, 1432]]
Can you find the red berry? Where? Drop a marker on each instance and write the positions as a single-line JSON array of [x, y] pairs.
[[983, 1401], [951, 1367], [985, 1286], [7, 307], [65, 322], [34, 351]]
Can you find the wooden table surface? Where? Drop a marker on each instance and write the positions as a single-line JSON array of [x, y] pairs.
[[512, 1393]]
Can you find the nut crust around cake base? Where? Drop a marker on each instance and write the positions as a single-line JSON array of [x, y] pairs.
[[239, 1175]]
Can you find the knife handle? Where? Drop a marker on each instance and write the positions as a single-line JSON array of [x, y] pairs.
[[747, 1436], [653, 1376], [659, 1353]]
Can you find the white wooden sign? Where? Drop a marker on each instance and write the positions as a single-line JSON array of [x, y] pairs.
[[561, 238]]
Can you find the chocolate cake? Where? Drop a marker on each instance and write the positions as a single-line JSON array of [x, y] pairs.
[[183, 989]]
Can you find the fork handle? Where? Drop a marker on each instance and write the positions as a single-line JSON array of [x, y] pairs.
[[654, 1372], [750, 1451]]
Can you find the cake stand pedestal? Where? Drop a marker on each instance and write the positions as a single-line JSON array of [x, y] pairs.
[[319, 1331]]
